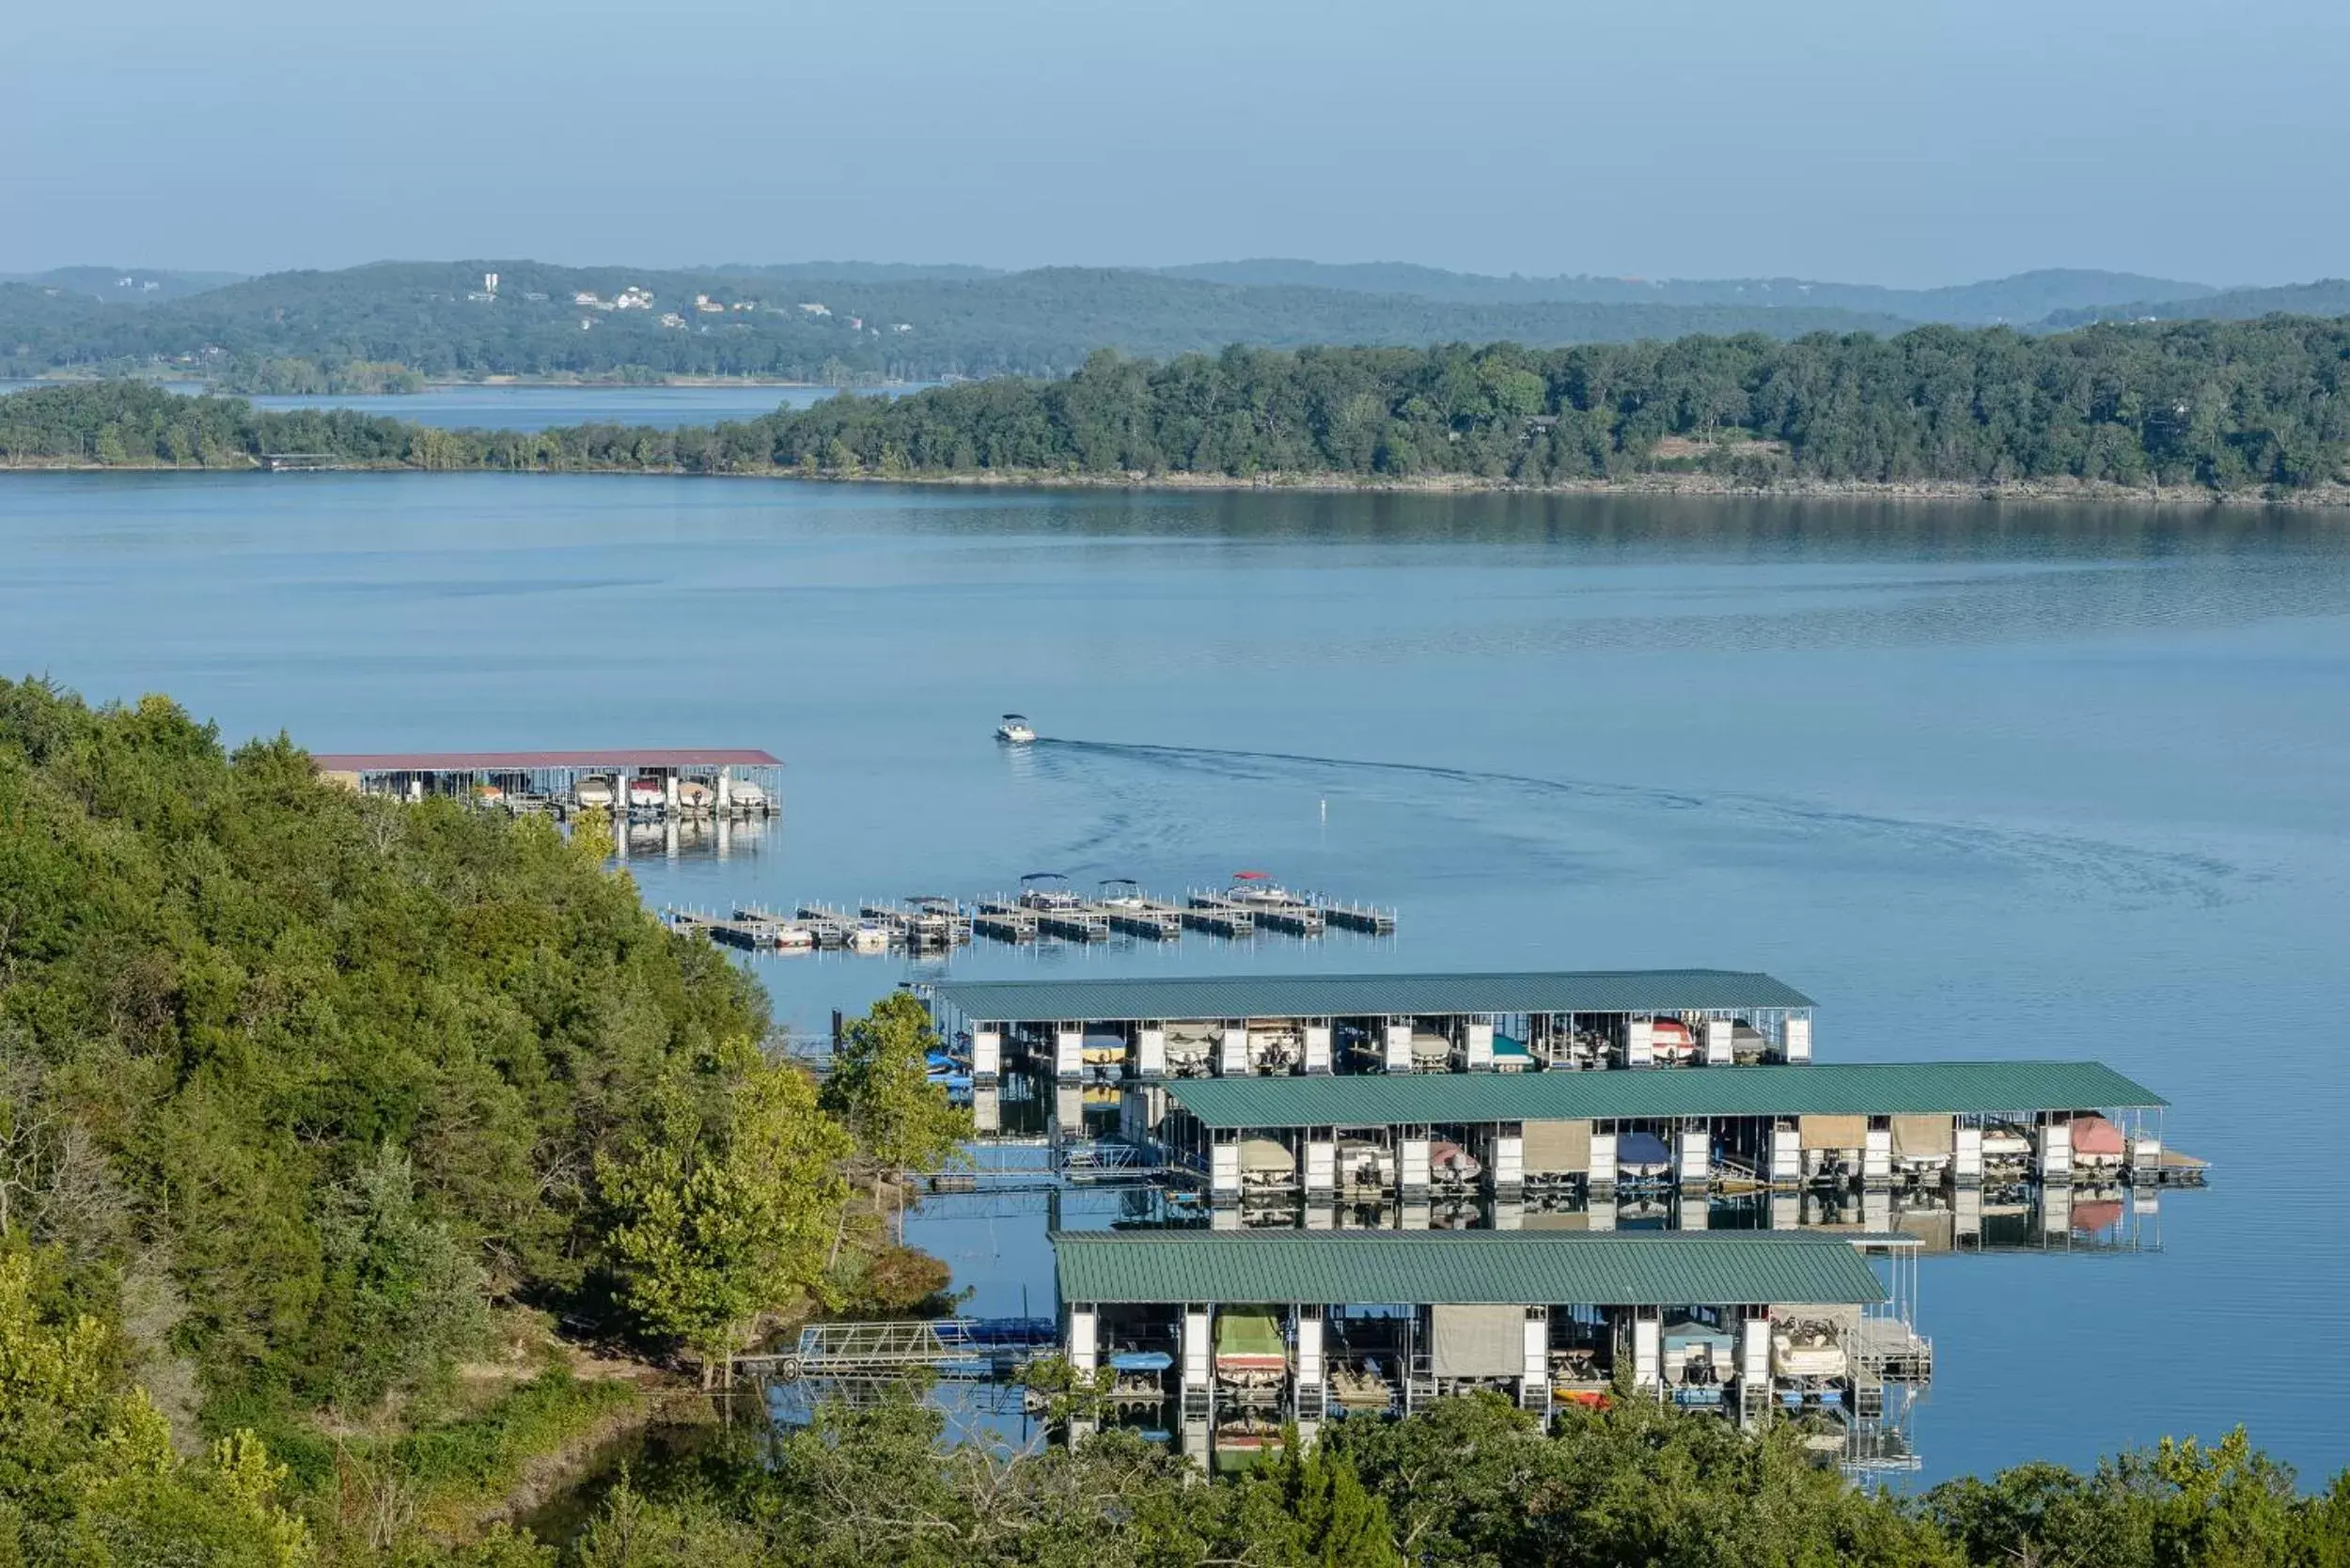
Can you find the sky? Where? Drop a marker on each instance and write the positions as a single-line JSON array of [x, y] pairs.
[[1907, 142]]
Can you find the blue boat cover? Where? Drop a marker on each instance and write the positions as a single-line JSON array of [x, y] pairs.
[[1641, 1149], [1141, 1361]]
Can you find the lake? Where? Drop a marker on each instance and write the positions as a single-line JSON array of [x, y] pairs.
[[1986, 780]]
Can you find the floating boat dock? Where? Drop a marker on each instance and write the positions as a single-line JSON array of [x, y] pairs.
[[1238, 1026], [738, 781]]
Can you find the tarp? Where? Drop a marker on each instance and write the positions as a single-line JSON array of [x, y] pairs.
[[1833, 1132], [1559, 1146], [1478, 1341], [1263, 1153], [1641, 1149], [2094, 1134], [1920, 1136], [1245, 1332]]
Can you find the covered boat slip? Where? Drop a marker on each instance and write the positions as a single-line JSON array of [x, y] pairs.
[[1840, 1125], [1377, 1320], [1315, 1024]]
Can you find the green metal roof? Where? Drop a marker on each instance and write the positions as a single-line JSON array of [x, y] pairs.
[[1364, 996], [1849, 1089], [1459, 1268]]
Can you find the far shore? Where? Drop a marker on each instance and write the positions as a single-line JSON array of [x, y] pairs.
[[2038, 490]]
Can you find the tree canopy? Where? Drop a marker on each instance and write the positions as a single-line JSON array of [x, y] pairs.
[[2218, 406]]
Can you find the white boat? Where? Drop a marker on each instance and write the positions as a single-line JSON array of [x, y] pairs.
[[2005, 1146], [744, 795], [1015, 730], [645, 794], [1806, 1350], [594, 793], [1257, 889], [1451, 1163], [694, 796], [1431, 1052], [1364, 1164], [1190, 1047], [869, 937]]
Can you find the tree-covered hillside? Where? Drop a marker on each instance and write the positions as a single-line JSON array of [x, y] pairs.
[[2224, 406], [442, 320]]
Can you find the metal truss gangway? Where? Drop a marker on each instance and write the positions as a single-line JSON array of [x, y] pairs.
[[969, 1348]]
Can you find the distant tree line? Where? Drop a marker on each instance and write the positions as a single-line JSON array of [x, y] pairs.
[[2227, 406]]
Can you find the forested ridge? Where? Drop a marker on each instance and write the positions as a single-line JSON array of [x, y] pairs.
[[2239, 406]]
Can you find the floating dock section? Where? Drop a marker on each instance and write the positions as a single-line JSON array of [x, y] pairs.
[[1316, 1025], [723, 780], [1864, 1125], [1232, 1330]]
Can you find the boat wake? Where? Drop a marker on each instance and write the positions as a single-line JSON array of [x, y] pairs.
[[1746, 824]]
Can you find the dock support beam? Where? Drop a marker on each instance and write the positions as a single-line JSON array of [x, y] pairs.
[[1412, 1178], [1717, 1042], [1477, 1045], [1224, 1172], [1754, 1362], [1647, 1349], [987, 1054], [1786, 1154], [1505, 1172], [1639, 1042], [1151, 1051], [1069, 1042], [1318, 1049], [1321, 1167], [1398, 1042], [1799, 1036], [1876, 1157], [1693, 1152], [1602, 1174], [1967, 1157], [1231, 1052], [1312, 1390], [1085, 1339], [2055, 1153], [1534, 1377]]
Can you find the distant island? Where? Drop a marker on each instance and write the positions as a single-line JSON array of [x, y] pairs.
[[2191, 410]]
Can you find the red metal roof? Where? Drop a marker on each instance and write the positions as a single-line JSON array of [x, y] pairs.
[[495, 762]]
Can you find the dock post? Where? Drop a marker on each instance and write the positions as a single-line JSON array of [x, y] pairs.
[[1506, 1170], [1477, 1045], [1231, 1052], [1085, 1339], [1412, 1165], [1602, 1179], [1398, 1040], [1195, 1352], [1693, 1150], [1318, 1049], [1648, 1333], [725, 791], [987, 1054], [1798, 1048], [1786, 1154], [1322, 1166], [1717, 1042], [1224, 1172], [1967, 1157], [1534, 1374], [1754, 1364], [1069, 1062], [2055, 1153], [1151, 1051], [1876, 1155], [1310, 1390], [669, 794], [1639, 1042]]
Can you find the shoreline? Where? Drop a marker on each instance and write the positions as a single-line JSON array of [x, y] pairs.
[[2039, 490]]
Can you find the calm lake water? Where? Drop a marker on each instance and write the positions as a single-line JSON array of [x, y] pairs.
[[1987, 781], [537, 408]]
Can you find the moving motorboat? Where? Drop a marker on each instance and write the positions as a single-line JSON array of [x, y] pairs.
[[1015, 730]]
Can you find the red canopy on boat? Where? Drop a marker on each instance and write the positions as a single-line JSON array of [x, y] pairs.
[[2094, 1134]]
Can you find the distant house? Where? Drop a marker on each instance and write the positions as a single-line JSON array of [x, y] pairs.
[[671, 318], [633, 298], [902, 327], [815, 309], [709, 306], [857, 324], [584, 297]]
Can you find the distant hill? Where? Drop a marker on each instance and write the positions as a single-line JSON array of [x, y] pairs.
[[445, 319], [2021, 299], [2326, 297], [125, 284]]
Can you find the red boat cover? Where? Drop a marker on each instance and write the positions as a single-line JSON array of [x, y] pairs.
[[2094, 1134]]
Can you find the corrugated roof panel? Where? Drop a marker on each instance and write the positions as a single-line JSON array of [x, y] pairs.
[[1849, 1089], [1459, 1268], [1366, 996]]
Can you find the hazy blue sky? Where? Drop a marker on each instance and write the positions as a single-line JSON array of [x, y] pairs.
[[1900, 141]]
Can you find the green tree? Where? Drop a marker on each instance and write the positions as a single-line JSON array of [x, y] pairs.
[[880, 1089], [718, 1221]]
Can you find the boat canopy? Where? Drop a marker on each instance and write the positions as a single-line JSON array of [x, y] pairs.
[[1641, 1149]]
